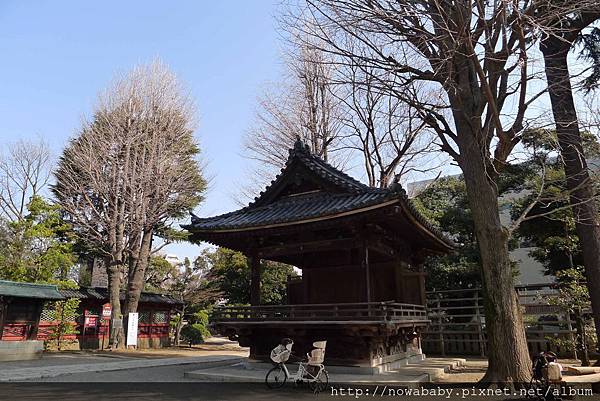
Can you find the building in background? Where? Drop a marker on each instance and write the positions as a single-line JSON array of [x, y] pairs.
[[530, 270], [21, 306]]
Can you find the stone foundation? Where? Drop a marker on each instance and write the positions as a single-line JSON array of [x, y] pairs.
[[20, 350], [372, 349], [381, 365]]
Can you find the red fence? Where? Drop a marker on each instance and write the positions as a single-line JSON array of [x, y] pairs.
[[20, 331]]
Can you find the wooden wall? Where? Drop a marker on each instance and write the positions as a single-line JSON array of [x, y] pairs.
[[346, 284]]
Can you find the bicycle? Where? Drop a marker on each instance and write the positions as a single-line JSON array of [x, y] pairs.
[[546, 378], [316, 377]]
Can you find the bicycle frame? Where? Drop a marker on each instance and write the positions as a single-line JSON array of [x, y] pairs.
[[301, 372]]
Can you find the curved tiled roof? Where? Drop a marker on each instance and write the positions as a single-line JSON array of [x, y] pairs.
[[301, 153], [101, 294], [292, 209], [351, 195], [29, 290]]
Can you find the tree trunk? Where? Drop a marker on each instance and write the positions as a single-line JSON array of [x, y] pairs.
[[117, 335], [584, 208], [509, 360], [137, 272], [179, 326]]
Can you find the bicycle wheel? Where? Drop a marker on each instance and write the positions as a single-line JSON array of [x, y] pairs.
[[275, 377], [320, 382]]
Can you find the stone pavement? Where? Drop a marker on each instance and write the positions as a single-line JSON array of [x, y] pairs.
[[412, 374], [30, 373]]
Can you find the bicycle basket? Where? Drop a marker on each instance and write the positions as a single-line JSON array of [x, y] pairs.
[[280, 354]]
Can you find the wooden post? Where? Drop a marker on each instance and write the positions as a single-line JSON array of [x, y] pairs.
[[36, 323], [571, 335], [367, 270], [3, 310], [441, 326], [422, 284], [480, 339], [254, 262]]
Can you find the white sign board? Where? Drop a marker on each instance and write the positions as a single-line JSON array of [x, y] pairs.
[[132, 329], [106, 311]]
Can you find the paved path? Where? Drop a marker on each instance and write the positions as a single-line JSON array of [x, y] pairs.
[[49, 371]]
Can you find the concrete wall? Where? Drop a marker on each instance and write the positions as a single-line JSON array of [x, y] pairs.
[[20, 350]]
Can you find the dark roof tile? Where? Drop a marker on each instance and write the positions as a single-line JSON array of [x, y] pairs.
[[101, 294], [29, 290], [353, 195]]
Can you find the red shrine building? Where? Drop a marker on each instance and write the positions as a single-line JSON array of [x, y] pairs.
[[23, 316], [361, 251]]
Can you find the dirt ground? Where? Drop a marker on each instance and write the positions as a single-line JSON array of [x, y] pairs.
[[211, 346]]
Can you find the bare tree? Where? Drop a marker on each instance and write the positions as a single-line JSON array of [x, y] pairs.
[[24, 172], [564, 29], [476, 56], [131, 170], [333, 113], [304, 105], [386, 132]]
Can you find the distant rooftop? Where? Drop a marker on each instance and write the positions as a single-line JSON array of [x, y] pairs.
[[29, 290]]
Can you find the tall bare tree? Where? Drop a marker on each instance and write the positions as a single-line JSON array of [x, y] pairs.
[[131, 170], [385, 132], [475, 54], [304, 105], [566, 27], [24, 171]]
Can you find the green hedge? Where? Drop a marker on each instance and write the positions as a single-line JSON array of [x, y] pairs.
[[194, 333]]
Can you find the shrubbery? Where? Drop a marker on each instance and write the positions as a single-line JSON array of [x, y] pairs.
[[196, 331], [193, 333]]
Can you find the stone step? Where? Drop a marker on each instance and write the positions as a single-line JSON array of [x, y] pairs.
[[435, 368]]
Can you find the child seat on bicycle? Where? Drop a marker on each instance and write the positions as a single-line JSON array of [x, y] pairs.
[[317, 355], [282, 352]]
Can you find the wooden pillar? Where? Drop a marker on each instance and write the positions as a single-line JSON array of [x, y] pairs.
[[36, 323], [399, 279], [440, 325], [3, 310], [423, 292], [480, 340], [254, 262], [367, 270]]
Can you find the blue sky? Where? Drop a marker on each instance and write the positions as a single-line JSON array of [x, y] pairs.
[[57, 55]]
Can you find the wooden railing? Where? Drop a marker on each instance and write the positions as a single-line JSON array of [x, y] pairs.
[[18, 331], [458, 321], [362, 312]]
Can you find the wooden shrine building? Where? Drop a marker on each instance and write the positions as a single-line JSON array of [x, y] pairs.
[[361, 251], [21, 306]]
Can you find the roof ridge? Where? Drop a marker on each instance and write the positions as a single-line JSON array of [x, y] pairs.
[[334, 171], [317, 165], [24, 283], [302, 151]]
